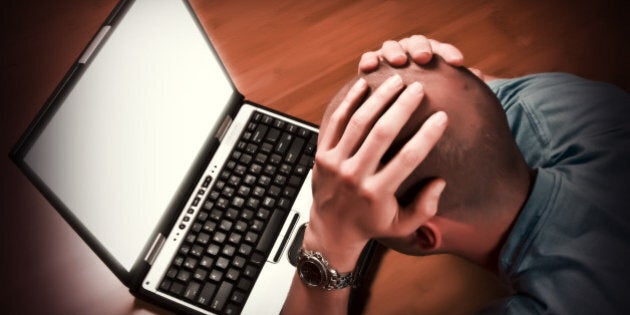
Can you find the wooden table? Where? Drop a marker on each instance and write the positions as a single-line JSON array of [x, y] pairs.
[[291, 56]]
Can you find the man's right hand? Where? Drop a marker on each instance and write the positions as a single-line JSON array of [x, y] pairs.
[[353, 193]]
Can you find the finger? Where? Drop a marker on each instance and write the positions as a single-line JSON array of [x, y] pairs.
[[387, 128], [419, 48], [339, 118], [393, 53], [369, 62], [478, 73], [366, 114], [413, 152], [450, 53], [422, 209]]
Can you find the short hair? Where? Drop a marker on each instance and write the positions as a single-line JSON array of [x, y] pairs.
[[477, 150]]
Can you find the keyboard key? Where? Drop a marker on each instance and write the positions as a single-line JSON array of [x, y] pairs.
[[213, 249], [257, 225], [222, 262], [279, 124], [183, 275], [216, 275], [190, 263], [250, 271], [251, 237], [177, 288], [291, 129], [240, 226], [206, 262], [259, 191], [239, 262], [235, 238], [266, 147], [228, 250], [200, 274], [206, 293], [303, 132], [245, 249], [284, 203], [225, 225], [232, 274], [196, 250], [231, 214], [271, 232], [285, 169], [244, 191], [259, 133], [274, 191], [295, 181], [209, 226], [165, 285], [238, 297], [258, 258], [219, 237], [232, 309], [203, 238], [289, 192], [273, 135], [275, 158], [192, 290], [222, 295], [244, 284], [178, 261], [283, 144], [171, 273], [294, 150]]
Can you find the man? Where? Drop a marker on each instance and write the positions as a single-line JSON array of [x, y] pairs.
[[547, 212]]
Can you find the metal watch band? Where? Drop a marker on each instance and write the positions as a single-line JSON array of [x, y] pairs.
[[336, 280]]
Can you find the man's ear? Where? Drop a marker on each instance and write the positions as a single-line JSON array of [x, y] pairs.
[[429, 236]]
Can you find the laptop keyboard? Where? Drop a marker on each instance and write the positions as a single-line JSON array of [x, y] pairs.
[[231, 237]]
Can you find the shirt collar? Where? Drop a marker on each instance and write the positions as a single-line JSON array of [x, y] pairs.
[[528, 221]]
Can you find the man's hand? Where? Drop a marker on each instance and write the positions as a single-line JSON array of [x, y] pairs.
[[419, 48], [353, 192]]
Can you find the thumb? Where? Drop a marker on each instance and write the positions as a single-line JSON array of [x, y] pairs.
[[422, 209]]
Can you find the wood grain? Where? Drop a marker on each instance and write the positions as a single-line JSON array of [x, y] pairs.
[[292, 56]]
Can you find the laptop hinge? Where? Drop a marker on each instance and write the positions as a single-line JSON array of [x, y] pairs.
[[94, 44], [156, 247], [227, 121]]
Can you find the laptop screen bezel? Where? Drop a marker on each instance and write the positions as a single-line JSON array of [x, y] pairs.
[[22, 147]]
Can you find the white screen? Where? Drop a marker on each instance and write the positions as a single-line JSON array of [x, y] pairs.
[[123, 140]]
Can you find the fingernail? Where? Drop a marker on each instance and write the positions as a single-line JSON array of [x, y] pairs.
[[396, 79], [440, 118], [360, 83], [416, 87], [440, 187]]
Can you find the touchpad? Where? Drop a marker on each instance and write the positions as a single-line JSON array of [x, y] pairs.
[[294, 250]]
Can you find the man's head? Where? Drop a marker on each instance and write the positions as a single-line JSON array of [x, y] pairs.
[[477, 155]]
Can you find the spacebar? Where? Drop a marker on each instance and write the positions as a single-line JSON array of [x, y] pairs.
[[271, 231]]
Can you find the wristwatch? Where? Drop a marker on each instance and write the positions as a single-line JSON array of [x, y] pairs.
[[315, 271]]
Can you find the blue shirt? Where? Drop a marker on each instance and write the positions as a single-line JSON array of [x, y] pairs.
[[569, 249]]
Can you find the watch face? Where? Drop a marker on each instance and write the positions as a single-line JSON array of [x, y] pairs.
[[311, 273]]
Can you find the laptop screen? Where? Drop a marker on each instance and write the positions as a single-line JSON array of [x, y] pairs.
[[121, 142]]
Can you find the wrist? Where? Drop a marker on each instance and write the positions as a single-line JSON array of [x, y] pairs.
[[340, 252]]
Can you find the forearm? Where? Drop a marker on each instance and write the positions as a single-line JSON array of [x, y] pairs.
[[306, 300], [303, 299]]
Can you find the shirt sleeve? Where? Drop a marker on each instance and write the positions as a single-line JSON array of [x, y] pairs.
[[514, 305]]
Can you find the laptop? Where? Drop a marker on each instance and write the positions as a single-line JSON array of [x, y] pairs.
[[193, 196]]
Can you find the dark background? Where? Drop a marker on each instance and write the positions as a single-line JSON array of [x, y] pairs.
[[292, 56]]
